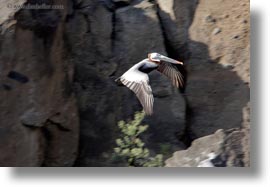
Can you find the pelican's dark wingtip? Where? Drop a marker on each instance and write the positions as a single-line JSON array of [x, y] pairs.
[[148, 113]]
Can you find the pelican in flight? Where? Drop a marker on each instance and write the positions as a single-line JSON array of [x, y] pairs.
[[137, 80]]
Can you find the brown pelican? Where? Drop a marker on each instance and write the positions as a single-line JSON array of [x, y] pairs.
[[137, 80]]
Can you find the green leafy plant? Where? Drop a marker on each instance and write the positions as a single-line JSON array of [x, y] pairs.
[[132, 148]]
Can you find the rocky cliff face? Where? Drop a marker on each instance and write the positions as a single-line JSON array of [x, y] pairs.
[[58, 69], [218, 82], [39, 116]]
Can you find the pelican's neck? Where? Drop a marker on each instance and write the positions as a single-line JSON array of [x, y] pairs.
[[145, 62], [139, 64]]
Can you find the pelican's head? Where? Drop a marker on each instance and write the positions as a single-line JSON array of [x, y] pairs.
[[156, 57]]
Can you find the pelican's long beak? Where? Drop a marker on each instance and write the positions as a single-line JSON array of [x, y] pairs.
[[167, 59]]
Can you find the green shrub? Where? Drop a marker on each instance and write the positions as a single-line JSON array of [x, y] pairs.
[[132, 148]]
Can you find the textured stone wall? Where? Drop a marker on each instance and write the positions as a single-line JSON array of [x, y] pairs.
[[39, 122], [59, 103]]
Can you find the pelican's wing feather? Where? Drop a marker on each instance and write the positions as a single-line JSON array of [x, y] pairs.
[[172, 73], [139, 83]]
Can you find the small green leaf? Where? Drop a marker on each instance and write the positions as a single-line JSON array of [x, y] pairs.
[[136, 151], [125, 152], [146, 152], [119, 142], [121, 124], [130, 160], [142, 128], [117, 150], [131, 130]]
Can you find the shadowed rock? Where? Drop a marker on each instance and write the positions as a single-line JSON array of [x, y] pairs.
[[18, 77], [27, 110], [99, 40]]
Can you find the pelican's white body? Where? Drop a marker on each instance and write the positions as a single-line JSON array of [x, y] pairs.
[[134, 75]]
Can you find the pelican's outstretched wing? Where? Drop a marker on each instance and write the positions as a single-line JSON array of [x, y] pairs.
[[172, 73], [138, 82]]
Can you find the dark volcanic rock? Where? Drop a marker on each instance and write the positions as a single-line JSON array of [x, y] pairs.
[[18, 77], [38, 61], [176, 18], [57, 72], [90, 47], [125, 37], [139, 25], [122, 2]]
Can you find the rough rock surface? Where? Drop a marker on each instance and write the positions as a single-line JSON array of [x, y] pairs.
[[218, 86], [168, 100], [221, 149], [93, 67], [38, 116], [7, 10], [218, 82], [59, 68], [123, 39], [200, 150], [176, 18]]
